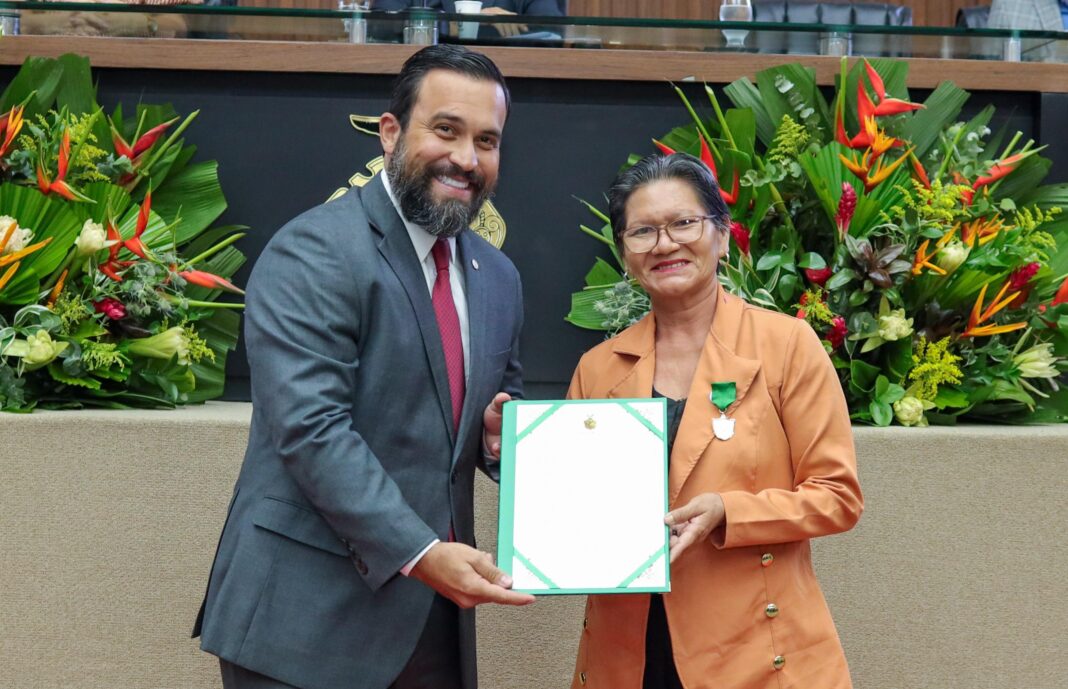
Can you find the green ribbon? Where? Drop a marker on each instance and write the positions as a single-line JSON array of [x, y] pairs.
[[724, 395]]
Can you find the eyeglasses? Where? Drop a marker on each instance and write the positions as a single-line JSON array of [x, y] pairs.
[[639, 240]]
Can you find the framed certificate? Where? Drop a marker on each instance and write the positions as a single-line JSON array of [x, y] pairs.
[[583, 496]]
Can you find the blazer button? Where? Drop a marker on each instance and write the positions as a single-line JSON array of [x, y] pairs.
[[772, 610], [766, 559], [582, 677], [778, 662], [585, 622], [361, 566]]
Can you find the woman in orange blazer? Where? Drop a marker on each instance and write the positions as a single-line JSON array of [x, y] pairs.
[[745, 610]]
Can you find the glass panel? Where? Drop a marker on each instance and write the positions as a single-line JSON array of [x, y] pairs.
[[350, 21]]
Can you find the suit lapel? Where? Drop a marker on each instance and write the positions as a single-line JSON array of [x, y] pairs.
[[396, 248], [718, 363]]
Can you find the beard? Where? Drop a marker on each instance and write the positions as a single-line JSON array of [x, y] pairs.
[[412, 187]]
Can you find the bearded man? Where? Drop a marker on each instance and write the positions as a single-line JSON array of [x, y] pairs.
[[382, 338]]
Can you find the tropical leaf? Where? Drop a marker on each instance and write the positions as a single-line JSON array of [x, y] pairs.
[[942, 108], [193, 197], [220, 331]]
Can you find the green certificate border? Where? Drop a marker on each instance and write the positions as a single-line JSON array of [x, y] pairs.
[[506, 552]]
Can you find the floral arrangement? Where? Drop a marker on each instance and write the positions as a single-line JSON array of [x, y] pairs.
[[109, 273], [923, 249]]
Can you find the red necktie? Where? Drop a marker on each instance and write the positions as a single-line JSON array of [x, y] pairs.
[[449, 327]]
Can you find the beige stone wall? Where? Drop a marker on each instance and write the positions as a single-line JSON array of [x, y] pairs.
[[108, 521]]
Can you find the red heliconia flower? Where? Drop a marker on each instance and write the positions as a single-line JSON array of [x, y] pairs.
[[836, 335], [818, 276], [664, 148], [731, 198], [199, 277], [1061, 297], [999, 170], [1019, 278], [113, 265], [59, 184], [112, 308], [706, 156], [887, 106], [740, 234], [134, 243], [143, 143], [921, 174], [847, 205]]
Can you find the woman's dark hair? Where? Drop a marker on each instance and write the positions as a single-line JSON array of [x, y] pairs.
[[451, 58], [654, 168]]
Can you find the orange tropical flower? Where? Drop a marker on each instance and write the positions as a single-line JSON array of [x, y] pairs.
[[979, 314], [982, 229], [10, 124], [923, 259]]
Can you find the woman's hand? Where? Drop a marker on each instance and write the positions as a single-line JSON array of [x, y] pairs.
[[694, 521]]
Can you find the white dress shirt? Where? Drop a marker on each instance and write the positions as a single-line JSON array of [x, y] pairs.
[[423, 242]]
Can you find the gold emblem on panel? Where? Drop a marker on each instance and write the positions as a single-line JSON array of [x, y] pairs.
[[488, 224]]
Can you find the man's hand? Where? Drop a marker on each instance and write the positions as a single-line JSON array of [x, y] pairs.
[[694, 521], [466, 576], [506, 30], [492, 419]]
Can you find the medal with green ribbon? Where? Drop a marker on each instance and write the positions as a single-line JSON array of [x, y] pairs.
[[723, 395]]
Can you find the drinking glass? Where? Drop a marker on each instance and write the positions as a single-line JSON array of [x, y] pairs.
[[735, 11]]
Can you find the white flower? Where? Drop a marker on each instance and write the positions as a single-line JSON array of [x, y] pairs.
[[894, 326], [1037, 362], [909, 411], [91, 239], [173, 342], [20, 238], [952, 255], [36, 350]]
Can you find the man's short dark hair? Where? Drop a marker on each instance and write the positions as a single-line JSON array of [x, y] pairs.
[[451, 58]]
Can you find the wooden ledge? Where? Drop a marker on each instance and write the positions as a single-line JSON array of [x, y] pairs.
[[535, 63]]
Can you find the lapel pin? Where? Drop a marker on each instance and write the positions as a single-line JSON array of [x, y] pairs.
[[474, 263], [723, 395]]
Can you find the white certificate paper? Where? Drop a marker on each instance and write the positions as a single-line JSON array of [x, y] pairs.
[[583, 496]]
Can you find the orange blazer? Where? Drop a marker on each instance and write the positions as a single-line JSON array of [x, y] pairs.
[[745, 610]]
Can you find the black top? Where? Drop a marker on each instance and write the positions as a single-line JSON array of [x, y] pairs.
[[675, 408]]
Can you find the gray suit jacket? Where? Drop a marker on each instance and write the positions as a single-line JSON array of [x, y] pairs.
[[352, 465]]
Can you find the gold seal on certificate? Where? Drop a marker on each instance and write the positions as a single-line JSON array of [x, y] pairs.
[[723, 395]]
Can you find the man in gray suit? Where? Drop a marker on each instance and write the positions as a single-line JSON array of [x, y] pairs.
[[382, 339], [1040, 15]]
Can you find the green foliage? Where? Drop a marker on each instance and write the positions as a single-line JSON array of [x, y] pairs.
[[93, 299], [907, 241]]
